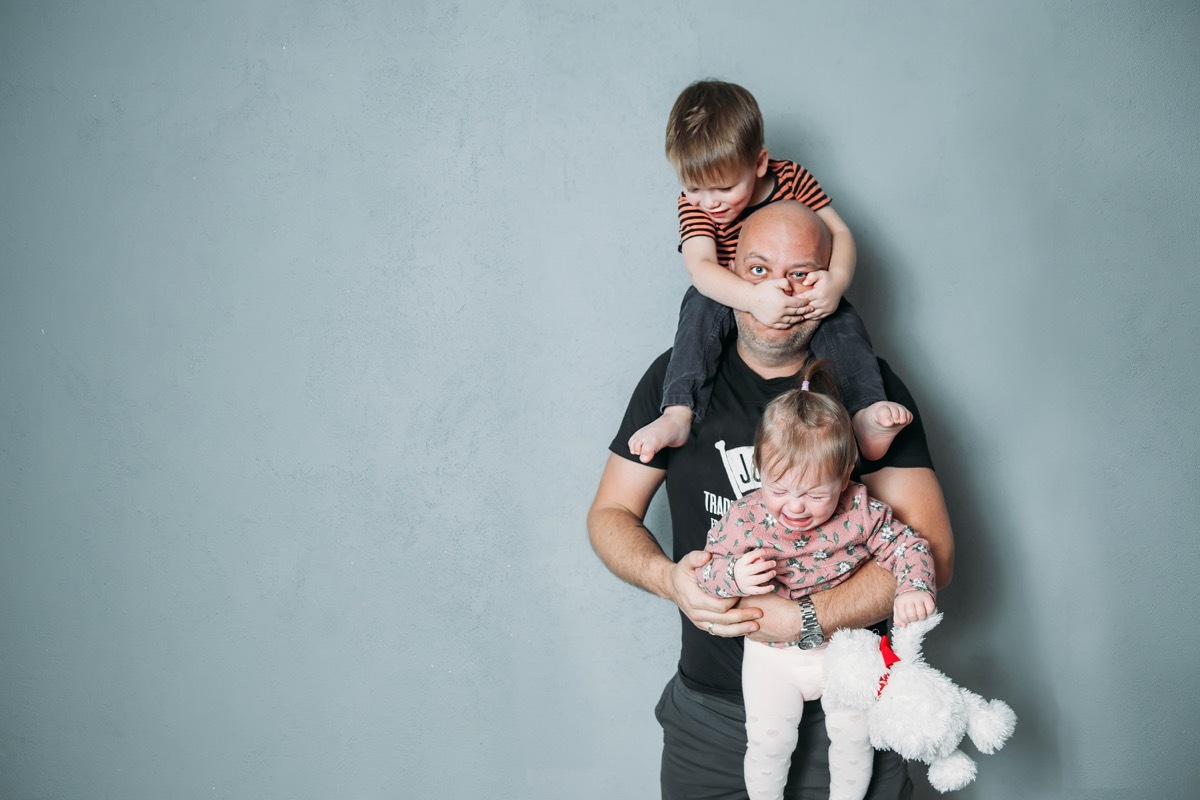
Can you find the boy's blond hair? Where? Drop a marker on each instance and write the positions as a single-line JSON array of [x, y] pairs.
[[807, 430], [714, 128]]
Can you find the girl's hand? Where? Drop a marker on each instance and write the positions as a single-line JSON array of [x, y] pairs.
[[912, 606], [714, 615], [753, 573], [822, 299]]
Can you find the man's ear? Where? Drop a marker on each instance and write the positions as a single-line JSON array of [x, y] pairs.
[[760, 165]]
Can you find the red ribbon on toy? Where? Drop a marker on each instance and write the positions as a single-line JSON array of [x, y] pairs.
[[889, 658]]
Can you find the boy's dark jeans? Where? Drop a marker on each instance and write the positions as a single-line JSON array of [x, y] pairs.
[[703, 325]]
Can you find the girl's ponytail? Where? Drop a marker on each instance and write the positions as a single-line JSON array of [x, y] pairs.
[[807, 429]]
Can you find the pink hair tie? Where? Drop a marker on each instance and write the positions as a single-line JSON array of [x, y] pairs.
[[804, 386]]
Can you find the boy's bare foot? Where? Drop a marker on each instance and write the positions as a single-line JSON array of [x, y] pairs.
[[669, 430], [876, 425]]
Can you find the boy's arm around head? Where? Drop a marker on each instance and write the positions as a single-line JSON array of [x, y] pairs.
[[710, 278], [630, 551], [768, 301], [843, 256], [827, 287]]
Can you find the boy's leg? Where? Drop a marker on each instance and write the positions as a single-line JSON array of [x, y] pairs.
[[687, 387], [703, 324], [842, 339]]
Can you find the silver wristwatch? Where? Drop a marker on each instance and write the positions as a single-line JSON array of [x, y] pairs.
[[811, 635]]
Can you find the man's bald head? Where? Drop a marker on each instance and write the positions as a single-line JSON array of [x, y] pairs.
[[791, 219]]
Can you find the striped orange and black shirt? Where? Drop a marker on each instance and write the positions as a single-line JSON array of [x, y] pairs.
[[792, 182]]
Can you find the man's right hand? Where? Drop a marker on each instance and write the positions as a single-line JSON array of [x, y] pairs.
[[703, 609]]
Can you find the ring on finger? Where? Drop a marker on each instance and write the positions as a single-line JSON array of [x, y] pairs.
[[709, 628]]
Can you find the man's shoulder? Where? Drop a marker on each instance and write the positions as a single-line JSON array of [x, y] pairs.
[[644, 407], [658, 367], [910, 447]]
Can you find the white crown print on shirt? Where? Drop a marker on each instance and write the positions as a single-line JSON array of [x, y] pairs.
[[739, 466]]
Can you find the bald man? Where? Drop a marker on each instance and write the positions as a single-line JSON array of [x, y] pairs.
[[701, 711]]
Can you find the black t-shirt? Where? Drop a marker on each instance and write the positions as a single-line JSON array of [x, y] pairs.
[[716, 466]]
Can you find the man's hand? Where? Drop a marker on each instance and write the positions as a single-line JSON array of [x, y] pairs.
[[822, 298], [780, 621], [771, 304], [753, 573], [715, 615]]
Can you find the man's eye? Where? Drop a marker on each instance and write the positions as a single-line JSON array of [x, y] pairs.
[[758, 270], [799, 276]]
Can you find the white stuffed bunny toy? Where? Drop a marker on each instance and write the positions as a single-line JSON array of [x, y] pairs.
[[910, 706]]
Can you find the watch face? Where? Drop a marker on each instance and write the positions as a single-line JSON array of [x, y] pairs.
[[811, 641]]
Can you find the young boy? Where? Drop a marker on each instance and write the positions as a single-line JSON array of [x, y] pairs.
[[715, 144]]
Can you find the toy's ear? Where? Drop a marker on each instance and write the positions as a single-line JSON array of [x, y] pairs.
[[907, 641]]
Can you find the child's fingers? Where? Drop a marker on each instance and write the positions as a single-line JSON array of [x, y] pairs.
[[756, 586], [756, 580], [766, 568]]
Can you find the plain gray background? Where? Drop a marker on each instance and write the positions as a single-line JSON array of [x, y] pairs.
[[316, 320]]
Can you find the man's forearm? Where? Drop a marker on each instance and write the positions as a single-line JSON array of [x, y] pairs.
[[868, 596], [629, 550], [863, 599]]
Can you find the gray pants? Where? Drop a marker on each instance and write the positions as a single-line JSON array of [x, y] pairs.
[[704, 746]]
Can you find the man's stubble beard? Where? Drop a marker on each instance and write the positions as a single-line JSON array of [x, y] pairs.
[[782, 348]]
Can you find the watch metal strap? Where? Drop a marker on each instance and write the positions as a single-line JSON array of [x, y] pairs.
[[808, 617]]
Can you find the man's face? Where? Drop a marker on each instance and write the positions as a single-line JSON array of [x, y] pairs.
[[772, 251]]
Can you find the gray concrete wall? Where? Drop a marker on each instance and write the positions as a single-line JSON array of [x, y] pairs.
[[316, 320]]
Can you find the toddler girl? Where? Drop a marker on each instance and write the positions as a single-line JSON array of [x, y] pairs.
[[807, 529]]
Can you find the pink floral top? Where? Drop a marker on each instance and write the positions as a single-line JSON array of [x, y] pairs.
[[809, 561]]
